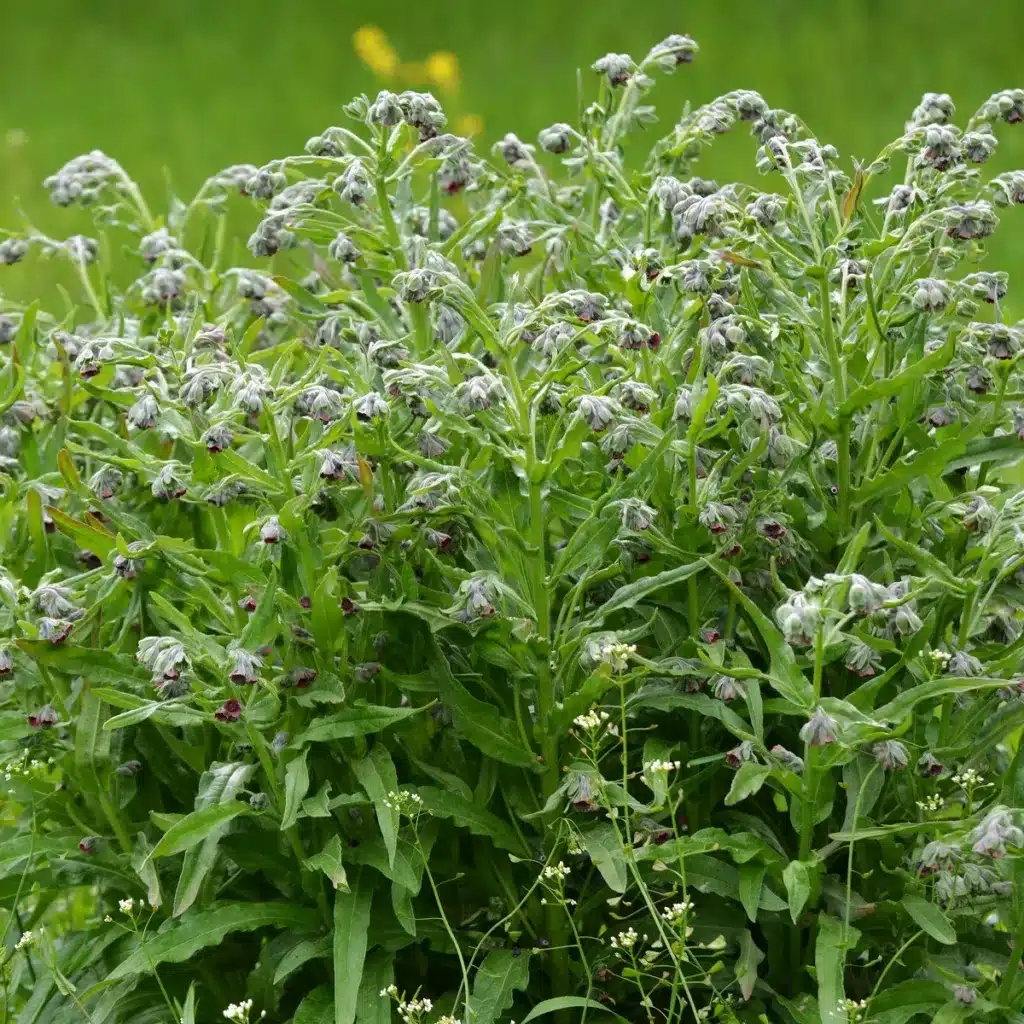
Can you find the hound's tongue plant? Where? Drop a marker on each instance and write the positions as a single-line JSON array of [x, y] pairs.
[[550, 583]]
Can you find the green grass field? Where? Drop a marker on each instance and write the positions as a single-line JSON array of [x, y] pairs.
[[185, 89]]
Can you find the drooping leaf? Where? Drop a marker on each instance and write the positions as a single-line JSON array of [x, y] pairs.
[[604, 845], [179, 941], [797, 878], [747, 963], [195, 827], [747, 781], [468, 814], [502, 972], [328, 860]]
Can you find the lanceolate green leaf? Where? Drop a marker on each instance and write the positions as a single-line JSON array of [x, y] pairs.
[[359, 720], [220, 785], [196, 827], [180, 941], [296, 785], [929, 917], [467, 814], [351, 928], [633, 593]]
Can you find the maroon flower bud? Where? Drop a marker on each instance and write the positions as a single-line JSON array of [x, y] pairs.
[[6, 663], [305, 602], [44, 718], [56, 631], [88, 844], [348, 606], [246, 667], [367, 670], [710, 636], [772, 529], [229, 711], [929, 765], [302, 677], [248, 603], [271, 531]]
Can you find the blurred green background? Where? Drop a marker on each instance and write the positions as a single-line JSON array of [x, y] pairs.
[[185, 88]]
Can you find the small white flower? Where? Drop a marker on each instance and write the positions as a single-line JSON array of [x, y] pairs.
[[616, 656], [238, 1013], [26, 940], [592, 720], [662, 766], [931, 804], [126, 906], [625, 940], [676, 914], [558, 870]]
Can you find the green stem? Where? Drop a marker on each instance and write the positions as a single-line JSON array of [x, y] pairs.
[[1013, 967], [835, 360]]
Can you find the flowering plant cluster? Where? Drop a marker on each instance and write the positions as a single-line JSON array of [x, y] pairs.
[[537, 582]]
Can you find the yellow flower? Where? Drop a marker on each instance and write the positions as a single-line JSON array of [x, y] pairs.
[[470, 124], [443, 70], [375, 51]]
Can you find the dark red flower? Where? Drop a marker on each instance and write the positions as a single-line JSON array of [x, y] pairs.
[[229, 711], [44, 718], [348, 606]]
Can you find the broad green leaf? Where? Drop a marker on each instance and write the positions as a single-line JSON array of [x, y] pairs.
[[928, 563], [316, 1008], [468, 814], [633, 593], [328, 860], [665, 699], [221, 784], [797, 879], [751, 882], [481, 723], [893, 385], [243, 468], [85, 535], [358, 720], [930, 918], [830, 947], [231, 568], [900, 706], [376, 774], [195, 827], [180, 941], [296, 785], [99, 667], [502, 972], [378, 974], [604, 845], [747, 781], [351, 928], [318, 948], [567, 1003]]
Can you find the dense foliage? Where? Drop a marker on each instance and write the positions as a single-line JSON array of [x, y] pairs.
[[521, 596]]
